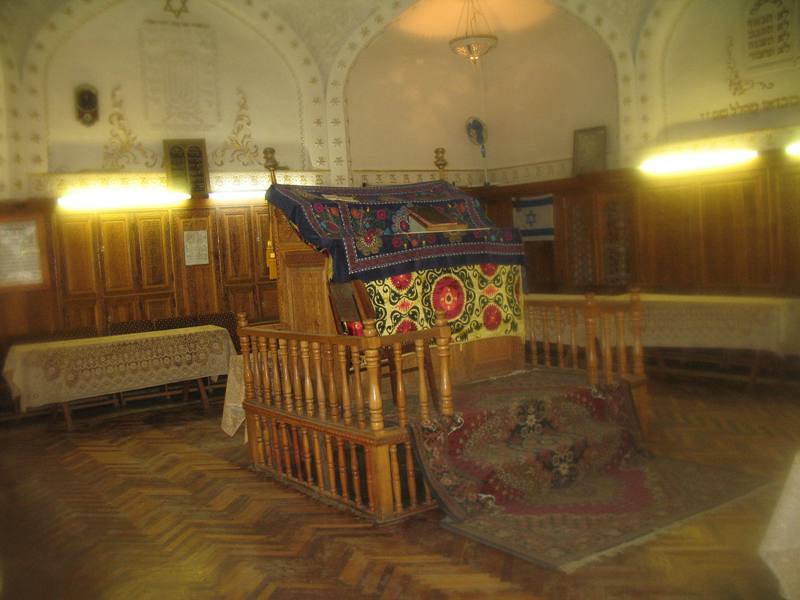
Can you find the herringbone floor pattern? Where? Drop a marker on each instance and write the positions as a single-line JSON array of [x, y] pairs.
[[161, 505]]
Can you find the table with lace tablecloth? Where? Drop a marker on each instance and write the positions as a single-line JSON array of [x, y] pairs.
[[728, 322], [62, 371]]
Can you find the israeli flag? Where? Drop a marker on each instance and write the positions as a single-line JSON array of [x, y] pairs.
[[534, 217]]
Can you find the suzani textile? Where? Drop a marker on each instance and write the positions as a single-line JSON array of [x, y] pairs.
[[366, 231], [479, 301]]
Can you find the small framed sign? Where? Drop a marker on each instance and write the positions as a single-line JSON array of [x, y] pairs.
[[195, 247], [23, 254], [589, 150]]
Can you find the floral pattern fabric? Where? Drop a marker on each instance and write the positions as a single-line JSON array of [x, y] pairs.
[[478, 301], [367, 231]]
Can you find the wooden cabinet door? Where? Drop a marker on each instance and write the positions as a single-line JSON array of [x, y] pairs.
[[197, 285], [119, 309], [268, 301], [79, 250], [117, 254], [236, 247], [261, 222], [154, 251], [158, 306]]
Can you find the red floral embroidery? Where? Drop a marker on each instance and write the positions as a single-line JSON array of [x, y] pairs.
[[488, 269], [406, 325], [448, 295], [401, 282], [492, 317]]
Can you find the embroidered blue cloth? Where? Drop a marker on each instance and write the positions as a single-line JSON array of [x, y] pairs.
[[367, 231]]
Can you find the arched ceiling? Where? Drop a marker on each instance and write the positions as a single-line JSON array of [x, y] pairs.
[[324, 25]]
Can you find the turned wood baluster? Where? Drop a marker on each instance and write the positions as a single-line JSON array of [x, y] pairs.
[[636, 317], [370, 459], [424, 407], [341, 357], [546, 337], [255, 369], [306, 455], [288, 401], [534, 343], [333, 400], [355, 474], [395, 470], [254, 440], [342, 467], [308, 385], [264, 359], [608, 356], [296, 451], [263, 440], [622, 352], [276, 445], [559, 342], [399, 386], [371, 356], [329, 461], [573, 334], [443, 350], [287, 461], [244, 341], [277, 397], [591, 348], [359, 392], [297, 387], [316, 358], [318, 460]]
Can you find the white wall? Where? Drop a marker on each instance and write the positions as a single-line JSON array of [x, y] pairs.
[[715, 86], [408, 93], [202, 59]]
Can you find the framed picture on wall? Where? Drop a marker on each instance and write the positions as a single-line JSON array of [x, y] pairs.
[[589, 150], [23, 252]]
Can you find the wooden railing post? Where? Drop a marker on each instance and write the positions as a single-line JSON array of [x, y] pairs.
[[443, 351], [247, 373], [591, 347], [381, 481]]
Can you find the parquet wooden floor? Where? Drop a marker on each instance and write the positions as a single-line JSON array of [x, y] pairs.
[[162, 505]]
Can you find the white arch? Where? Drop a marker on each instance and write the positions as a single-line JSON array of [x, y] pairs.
[[389, 9], [270, 26]]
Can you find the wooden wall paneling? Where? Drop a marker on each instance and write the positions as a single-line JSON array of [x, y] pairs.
[[154, 251], [261, 231], [119, 309], [268, 301], [614, 238], [197, 286], [669, 246], [84, 314], [575, 245], [158, 306], [242, 298], [79, 260], [117, 254], [236, 247], [787, 227], [305, 303]]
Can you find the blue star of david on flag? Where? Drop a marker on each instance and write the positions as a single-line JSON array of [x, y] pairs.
[[534, 217]]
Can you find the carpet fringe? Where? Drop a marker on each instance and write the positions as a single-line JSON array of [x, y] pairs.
[[573, 566]]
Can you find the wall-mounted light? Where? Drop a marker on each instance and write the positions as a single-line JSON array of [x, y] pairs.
[[700, 160], [116, 198], [793, 149]]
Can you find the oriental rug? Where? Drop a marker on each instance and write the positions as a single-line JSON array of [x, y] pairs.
[[551, 471]]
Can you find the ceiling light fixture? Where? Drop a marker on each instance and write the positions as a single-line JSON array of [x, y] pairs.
[[473, 38], [685, 162]]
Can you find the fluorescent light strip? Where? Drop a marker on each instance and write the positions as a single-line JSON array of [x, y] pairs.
[[111, 198], [684, 162], [793, 149]]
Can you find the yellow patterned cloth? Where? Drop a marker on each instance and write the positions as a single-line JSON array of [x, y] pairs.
[[479, 301]]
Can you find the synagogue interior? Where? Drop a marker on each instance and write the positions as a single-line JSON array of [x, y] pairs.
[[400, 299]]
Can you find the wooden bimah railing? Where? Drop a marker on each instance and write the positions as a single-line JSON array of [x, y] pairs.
[[317, 419], [602, 335]]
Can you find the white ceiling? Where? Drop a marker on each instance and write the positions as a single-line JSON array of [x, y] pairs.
[[324, 25]]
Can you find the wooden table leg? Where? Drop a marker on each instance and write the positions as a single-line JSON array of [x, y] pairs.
[[67, 409], [203, 395]]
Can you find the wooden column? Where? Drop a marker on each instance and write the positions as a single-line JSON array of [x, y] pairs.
[[443, 351]]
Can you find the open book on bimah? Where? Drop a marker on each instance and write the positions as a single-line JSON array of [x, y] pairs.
[[424, 218]]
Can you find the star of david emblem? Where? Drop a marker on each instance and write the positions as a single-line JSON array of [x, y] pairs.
[[530, 218], [177, 12]]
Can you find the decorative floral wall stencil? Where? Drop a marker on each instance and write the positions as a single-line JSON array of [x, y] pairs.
[[123, 147], [239, 145]]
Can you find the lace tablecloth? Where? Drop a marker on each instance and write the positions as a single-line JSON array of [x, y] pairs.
[[52, 372], [732, 322], [233, 411], [780, 547]]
